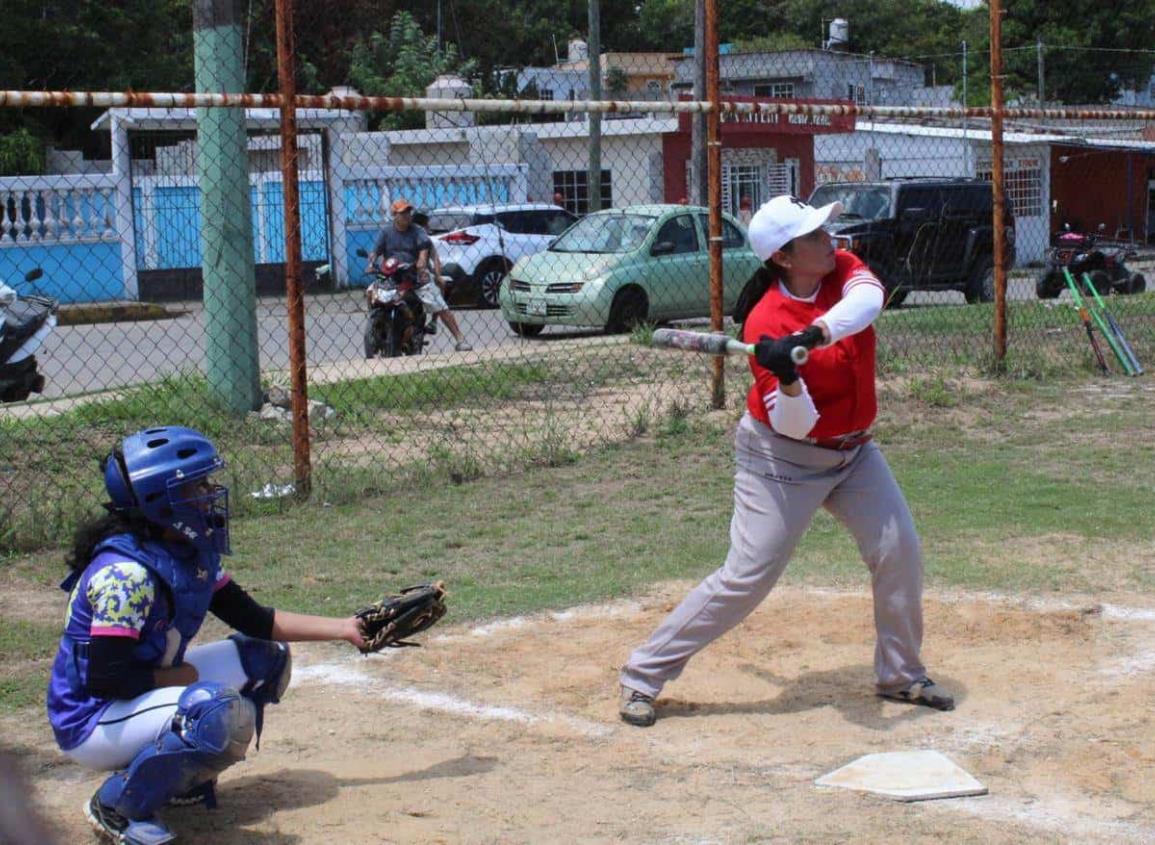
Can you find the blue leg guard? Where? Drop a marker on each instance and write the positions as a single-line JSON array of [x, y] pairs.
[[211, 731], [268, 666]]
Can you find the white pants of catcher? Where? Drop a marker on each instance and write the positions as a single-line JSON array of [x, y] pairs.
[[128, 726]]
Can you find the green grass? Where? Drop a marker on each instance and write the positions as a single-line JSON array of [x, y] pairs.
[[1015, 486]]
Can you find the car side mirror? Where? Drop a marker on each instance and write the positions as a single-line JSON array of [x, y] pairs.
[[915, 216], [33, 275], [662, 248]]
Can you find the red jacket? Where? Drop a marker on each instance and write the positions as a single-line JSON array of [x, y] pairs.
[[840, 377]]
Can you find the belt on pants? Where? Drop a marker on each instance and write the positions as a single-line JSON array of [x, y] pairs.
[[843, 442]]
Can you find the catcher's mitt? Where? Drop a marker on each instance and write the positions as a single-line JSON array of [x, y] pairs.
[[389, 622]]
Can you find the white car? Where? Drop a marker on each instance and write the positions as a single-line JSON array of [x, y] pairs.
[[478, 244]]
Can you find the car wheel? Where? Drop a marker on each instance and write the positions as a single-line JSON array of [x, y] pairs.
[[526, 329], [1137, 283], [489, 278], [630, 307], [981, 286], [1049, 286]]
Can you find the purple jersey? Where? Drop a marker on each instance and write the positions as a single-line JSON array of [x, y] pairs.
[[114, 597]]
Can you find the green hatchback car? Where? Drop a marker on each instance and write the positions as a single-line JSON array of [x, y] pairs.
[[616, 268]]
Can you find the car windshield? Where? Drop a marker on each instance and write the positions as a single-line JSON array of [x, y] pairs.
[[865, 202], [450, 221], [602, 233]]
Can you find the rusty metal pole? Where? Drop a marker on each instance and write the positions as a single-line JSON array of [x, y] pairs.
[[1000, 241], [714, 202], [294, 290]]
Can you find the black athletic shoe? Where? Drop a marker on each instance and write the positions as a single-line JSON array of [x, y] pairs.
[[111, 826], [924, 691]]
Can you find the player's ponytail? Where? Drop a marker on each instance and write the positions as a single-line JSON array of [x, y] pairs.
[[90, 533], [764, 277]]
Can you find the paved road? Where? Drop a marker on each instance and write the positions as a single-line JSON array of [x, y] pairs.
[[80, 359]]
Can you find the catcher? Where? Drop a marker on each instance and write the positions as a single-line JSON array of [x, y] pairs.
[[127, 692]]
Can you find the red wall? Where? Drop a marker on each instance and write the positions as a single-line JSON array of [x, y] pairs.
[[1100, 186], [676, 152]]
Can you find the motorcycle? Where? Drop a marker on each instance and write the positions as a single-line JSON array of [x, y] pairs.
[[1086, 252], [396, 322], [25, 321]]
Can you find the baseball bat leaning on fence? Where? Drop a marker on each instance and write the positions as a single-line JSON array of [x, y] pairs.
[[715, 344], [1103, 329], [1136, 367], [1096, 348]]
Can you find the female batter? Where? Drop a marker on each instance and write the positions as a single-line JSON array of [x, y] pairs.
[[804, 443]]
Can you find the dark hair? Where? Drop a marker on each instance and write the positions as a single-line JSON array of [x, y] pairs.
[[420, 218], [92, 531], [758, 284]]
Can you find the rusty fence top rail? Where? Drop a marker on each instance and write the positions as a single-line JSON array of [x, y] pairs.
[[156, 99]]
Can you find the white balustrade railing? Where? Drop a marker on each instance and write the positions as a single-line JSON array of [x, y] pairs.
[[57, 209]]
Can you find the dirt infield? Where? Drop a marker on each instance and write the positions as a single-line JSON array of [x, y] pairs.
[[508, 733]]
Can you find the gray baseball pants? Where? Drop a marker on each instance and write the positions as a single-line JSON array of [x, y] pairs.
[[778, 487]]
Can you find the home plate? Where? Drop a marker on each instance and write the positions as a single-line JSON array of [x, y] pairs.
[[905, 776]]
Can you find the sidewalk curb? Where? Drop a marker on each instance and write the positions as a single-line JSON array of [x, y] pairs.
[[115, 312]]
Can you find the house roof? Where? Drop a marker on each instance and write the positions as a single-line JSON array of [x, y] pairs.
[[185, 118], [982, 133], [569, 129]]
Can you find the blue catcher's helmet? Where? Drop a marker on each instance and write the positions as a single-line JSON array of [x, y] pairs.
[[161, 473]]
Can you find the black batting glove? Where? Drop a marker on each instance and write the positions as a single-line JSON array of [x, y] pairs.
[[810, 337], [774, 355]]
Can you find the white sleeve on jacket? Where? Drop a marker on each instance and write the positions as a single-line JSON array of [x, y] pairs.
[[792, 416], [861, 303]]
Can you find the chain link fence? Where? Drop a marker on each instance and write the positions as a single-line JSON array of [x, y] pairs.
[[559, 232]]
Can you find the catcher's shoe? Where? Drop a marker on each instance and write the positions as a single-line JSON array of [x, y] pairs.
[[111, 826], [924, 691], [637, 708]]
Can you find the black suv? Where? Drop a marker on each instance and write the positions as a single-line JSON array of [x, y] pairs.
[[920, 234]]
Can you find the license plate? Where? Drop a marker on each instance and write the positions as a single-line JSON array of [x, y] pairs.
[[535, 308]]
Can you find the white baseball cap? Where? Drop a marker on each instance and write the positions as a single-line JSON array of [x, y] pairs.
[[783, 219]]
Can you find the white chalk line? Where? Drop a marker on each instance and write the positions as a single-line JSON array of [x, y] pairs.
[[604, 610], [344, 675], [1051, 814]]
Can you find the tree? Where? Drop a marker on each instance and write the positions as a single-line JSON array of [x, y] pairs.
[[403, 64], [1085, 50]]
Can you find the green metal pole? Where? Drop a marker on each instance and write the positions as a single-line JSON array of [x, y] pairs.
[[232, 362]]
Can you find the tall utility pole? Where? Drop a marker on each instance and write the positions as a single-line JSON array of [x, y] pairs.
[[232, 363], [698, 188], [1042, 76], [595, 63]]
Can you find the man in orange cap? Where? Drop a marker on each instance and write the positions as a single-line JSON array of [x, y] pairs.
[[411, 245]]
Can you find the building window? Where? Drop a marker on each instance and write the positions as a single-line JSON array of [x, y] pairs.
[[775, 90], [574, 187], [742, 180], [1022, 185], [856, 94], [545, 94]]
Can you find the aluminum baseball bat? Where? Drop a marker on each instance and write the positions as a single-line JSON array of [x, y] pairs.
[[715, 344], [1132, 359], [1104, 330]]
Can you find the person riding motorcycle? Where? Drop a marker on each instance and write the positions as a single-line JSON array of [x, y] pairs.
[[410, 244]]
